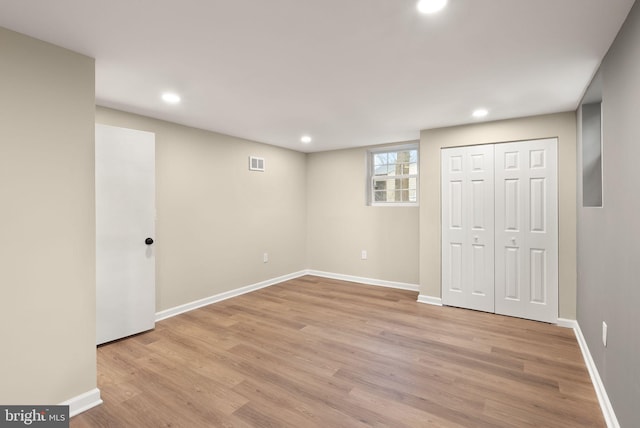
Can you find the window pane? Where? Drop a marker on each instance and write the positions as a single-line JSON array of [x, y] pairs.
[[413, 183], [381, 170], [404, 156], [413, 156], [385, 196], [380, 196], [401, 184], [402, 195], [379, 185], [380, 159], [412, 196], [393, 158], [413, 169]]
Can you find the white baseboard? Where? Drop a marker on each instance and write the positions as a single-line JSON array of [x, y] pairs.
[[607, 409], [361, 280], [435, 301], [83, 402], [177, 310], [567, 323], [171, 312]]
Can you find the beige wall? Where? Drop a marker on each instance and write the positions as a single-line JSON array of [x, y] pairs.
[[341, 225], [47, 226], [563, 126], [215, 218]]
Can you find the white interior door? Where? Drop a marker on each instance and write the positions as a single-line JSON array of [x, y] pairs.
[[125, 218], [527, 229], [468, 227]]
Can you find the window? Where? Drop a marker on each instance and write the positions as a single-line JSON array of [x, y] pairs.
[[393, 176]]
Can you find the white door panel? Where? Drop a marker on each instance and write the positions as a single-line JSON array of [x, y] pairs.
[[527, 229], [125, 217], [467, 227]]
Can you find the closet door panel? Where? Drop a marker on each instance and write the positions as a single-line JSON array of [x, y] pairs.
[[467, 227], [526, 233]]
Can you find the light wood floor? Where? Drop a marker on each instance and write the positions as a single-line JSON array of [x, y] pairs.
[[314, 352]]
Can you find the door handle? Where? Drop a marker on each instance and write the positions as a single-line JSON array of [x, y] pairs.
[[148, 241]]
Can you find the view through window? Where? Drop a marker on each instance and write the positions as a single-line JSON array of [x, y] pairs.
[[393, 176]]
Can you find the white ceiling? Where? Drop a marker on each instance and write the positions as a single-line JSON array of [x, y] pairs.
[[347, 72]]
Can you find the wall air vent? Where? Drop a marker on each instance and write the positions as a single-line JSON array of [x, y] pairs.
[[256, 164]]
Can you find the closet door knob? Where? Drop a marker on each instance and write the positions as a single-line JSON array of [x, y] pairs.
[[148, 241]]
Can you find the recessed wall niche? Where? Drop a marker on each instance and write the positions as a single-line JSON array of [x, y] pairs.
[[591, 126]]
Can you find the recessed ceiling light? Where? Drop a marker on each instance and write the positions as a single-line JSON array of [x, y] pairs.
[[479, 113], [431, 6], [171, 98], [305, 139]]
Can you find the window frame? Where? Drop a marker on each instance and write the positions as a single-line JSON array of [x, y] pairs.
[[371, 175]]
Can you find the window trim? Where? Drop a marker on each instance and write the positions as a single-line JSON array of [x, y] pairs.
[[370, 174]]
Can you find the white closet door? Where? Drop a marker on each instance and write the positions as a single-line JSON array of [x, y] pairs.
[[468, 227], [526, 225]]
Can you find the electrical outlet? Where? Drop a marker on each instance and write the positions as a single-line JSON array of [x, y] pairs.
[[265, 257], [364, 255], [604, 334]]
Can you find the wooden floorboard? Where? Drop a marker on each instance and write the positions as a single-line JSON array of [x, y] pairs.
[[316, 352]]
